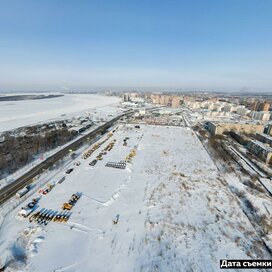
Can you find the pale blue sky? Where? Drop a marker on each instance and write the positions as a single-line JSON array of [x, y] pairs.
[[196, 44]]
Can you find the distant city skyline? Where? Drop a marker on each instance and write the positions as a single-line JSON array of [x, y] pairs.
[[195, 45]]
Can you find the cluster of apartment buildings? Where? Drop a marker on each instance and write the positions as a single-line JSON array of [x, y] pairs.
[[258, 105], [133, 97], [159, 99], [218, 128], [257, 111], [262, 151], [166, 100], [260, 145]]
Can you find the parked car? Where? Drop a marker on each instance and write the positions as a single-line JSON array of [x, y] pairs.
[[46, 191], [92, 163], [69, 170]]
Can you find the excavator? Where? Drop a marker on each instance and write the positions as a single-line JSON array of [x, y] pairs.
[[67, 206], [72, 201]]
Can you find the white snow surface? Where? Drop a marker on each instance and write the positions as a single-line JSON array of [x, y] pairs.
[[176, 213], [14, 114]]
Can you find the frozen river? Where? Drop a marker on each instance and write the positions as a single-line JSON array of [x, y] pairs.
[[14, 114]]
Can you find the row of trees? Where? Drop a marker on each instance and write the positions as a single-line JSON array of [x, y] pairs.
[[18, 151]]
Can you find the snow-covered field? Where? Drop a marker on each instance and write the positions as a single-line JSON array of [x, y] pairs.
[[176, 213], [14, 114]]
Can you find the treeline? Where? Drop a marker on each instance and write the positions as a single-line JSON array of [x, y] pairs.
[[27, 97], [18, 151]]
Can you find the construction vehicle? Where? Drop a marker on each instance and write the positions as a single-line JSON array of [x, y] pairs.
[[25, 212], [33, 203], [51, 217], [67, 216], [46, 217], [58, 216], [115, 220], [131, 155], [64, 217], [76, 196], [67, 206], [99, 157], [40, 217], [72, 201], [93, 163], [33, 216]]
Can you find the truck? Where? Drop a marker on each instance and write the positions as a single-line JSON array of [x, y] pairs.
[[32, 204], [23, 191], [29, 208], [60, 180], [67, 206], [115, 220], [25, 212]]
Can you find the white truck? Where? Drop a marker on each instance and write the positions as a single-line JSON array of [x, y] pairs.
[[29, 208], [25, 212], [23, 191]]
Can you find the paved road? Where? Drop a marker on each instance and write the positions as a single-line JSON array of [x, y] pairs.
[[10, 190]]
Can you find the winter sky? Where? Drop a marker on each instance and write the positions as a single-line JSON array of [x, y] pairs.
[[196, 44]]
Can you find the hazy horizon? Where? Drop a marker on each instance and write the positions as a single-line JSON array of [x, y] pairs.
[[121, 90], [202, 45]]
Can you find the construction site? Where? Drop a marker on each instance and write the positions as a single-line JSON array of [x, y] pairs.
[[142, 198]]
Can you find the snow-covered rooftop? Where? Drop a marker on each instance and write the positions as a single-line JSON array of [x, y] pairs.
[[262, 145], [266, 136]]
